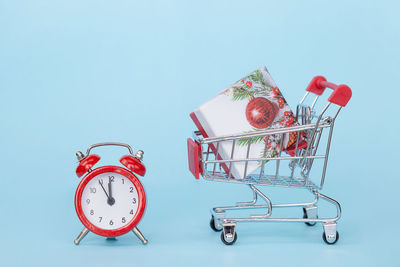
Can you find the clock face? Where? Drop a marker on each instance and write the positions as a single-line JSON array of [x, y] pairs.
[[109, 201]]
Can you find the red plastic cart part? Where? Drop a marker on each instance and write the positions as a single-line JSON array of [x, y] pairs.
[[193, 157], [133, 164], [341, 93], [86, 164]]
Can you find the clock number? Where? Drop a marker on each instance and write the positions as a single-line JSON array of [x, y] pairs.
[[91, 212], [131, 212], [111, 222], [123, 220], [87, 201], [111, 178], [100, 218], [93, 190], [131, 188], [123, 180], [134, 201]]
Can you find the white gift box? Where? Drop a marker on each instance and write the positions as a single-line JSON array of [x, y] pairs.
[[252, 103]]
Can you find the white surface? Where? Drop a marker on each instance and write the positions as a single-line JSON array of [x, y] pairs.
[[122, 208]]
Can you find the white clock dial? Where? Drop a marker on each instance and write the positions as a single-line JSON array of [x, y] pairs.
[[110, 201]]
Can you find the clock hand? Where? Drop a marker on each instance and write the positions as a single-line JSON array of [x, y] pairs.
[[110, 200], [108, 197]]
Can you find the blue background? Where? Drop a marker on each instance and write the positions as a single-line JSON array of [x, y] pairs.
[[74, 73]]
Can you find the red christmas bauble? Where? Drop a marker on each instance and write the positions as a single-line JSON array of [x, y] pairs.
[[260, 112]]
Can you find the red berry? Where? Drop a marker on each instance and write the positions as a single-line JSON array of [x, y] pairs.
[[286, 113], [288, 123], [282, 122], [249, 84]]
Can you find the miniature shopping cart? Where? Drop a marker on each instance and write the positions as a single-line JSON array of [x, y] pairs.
[[290, 169]]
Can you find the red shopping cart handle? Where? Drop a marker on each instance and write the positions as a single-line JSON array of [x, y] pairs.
[[341, 93]]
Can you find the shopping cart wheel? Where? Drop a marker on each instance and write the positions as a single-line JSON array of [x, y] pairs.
[[228, 241], [213, 226], [305, 216], [331, 240]]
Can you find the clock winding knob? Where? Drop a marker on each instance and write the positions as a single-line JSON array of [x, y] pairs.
[[139, 154], [79, 155]]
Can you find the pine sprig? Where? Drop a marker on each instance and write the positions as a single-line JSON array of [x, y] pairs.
[[252, 140], [241, 93], [257, 77]]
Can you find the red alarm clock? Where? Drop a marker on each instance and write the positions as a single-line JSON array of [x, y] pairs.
[[110, 200]]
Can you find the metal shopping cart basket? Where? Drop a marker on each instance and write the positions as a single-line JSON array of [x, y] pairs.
[[204, 159]]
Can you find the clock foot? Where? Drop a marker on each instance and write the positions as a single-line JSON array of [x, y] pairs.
[[139, 235], [84, 232], [111, 239]]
